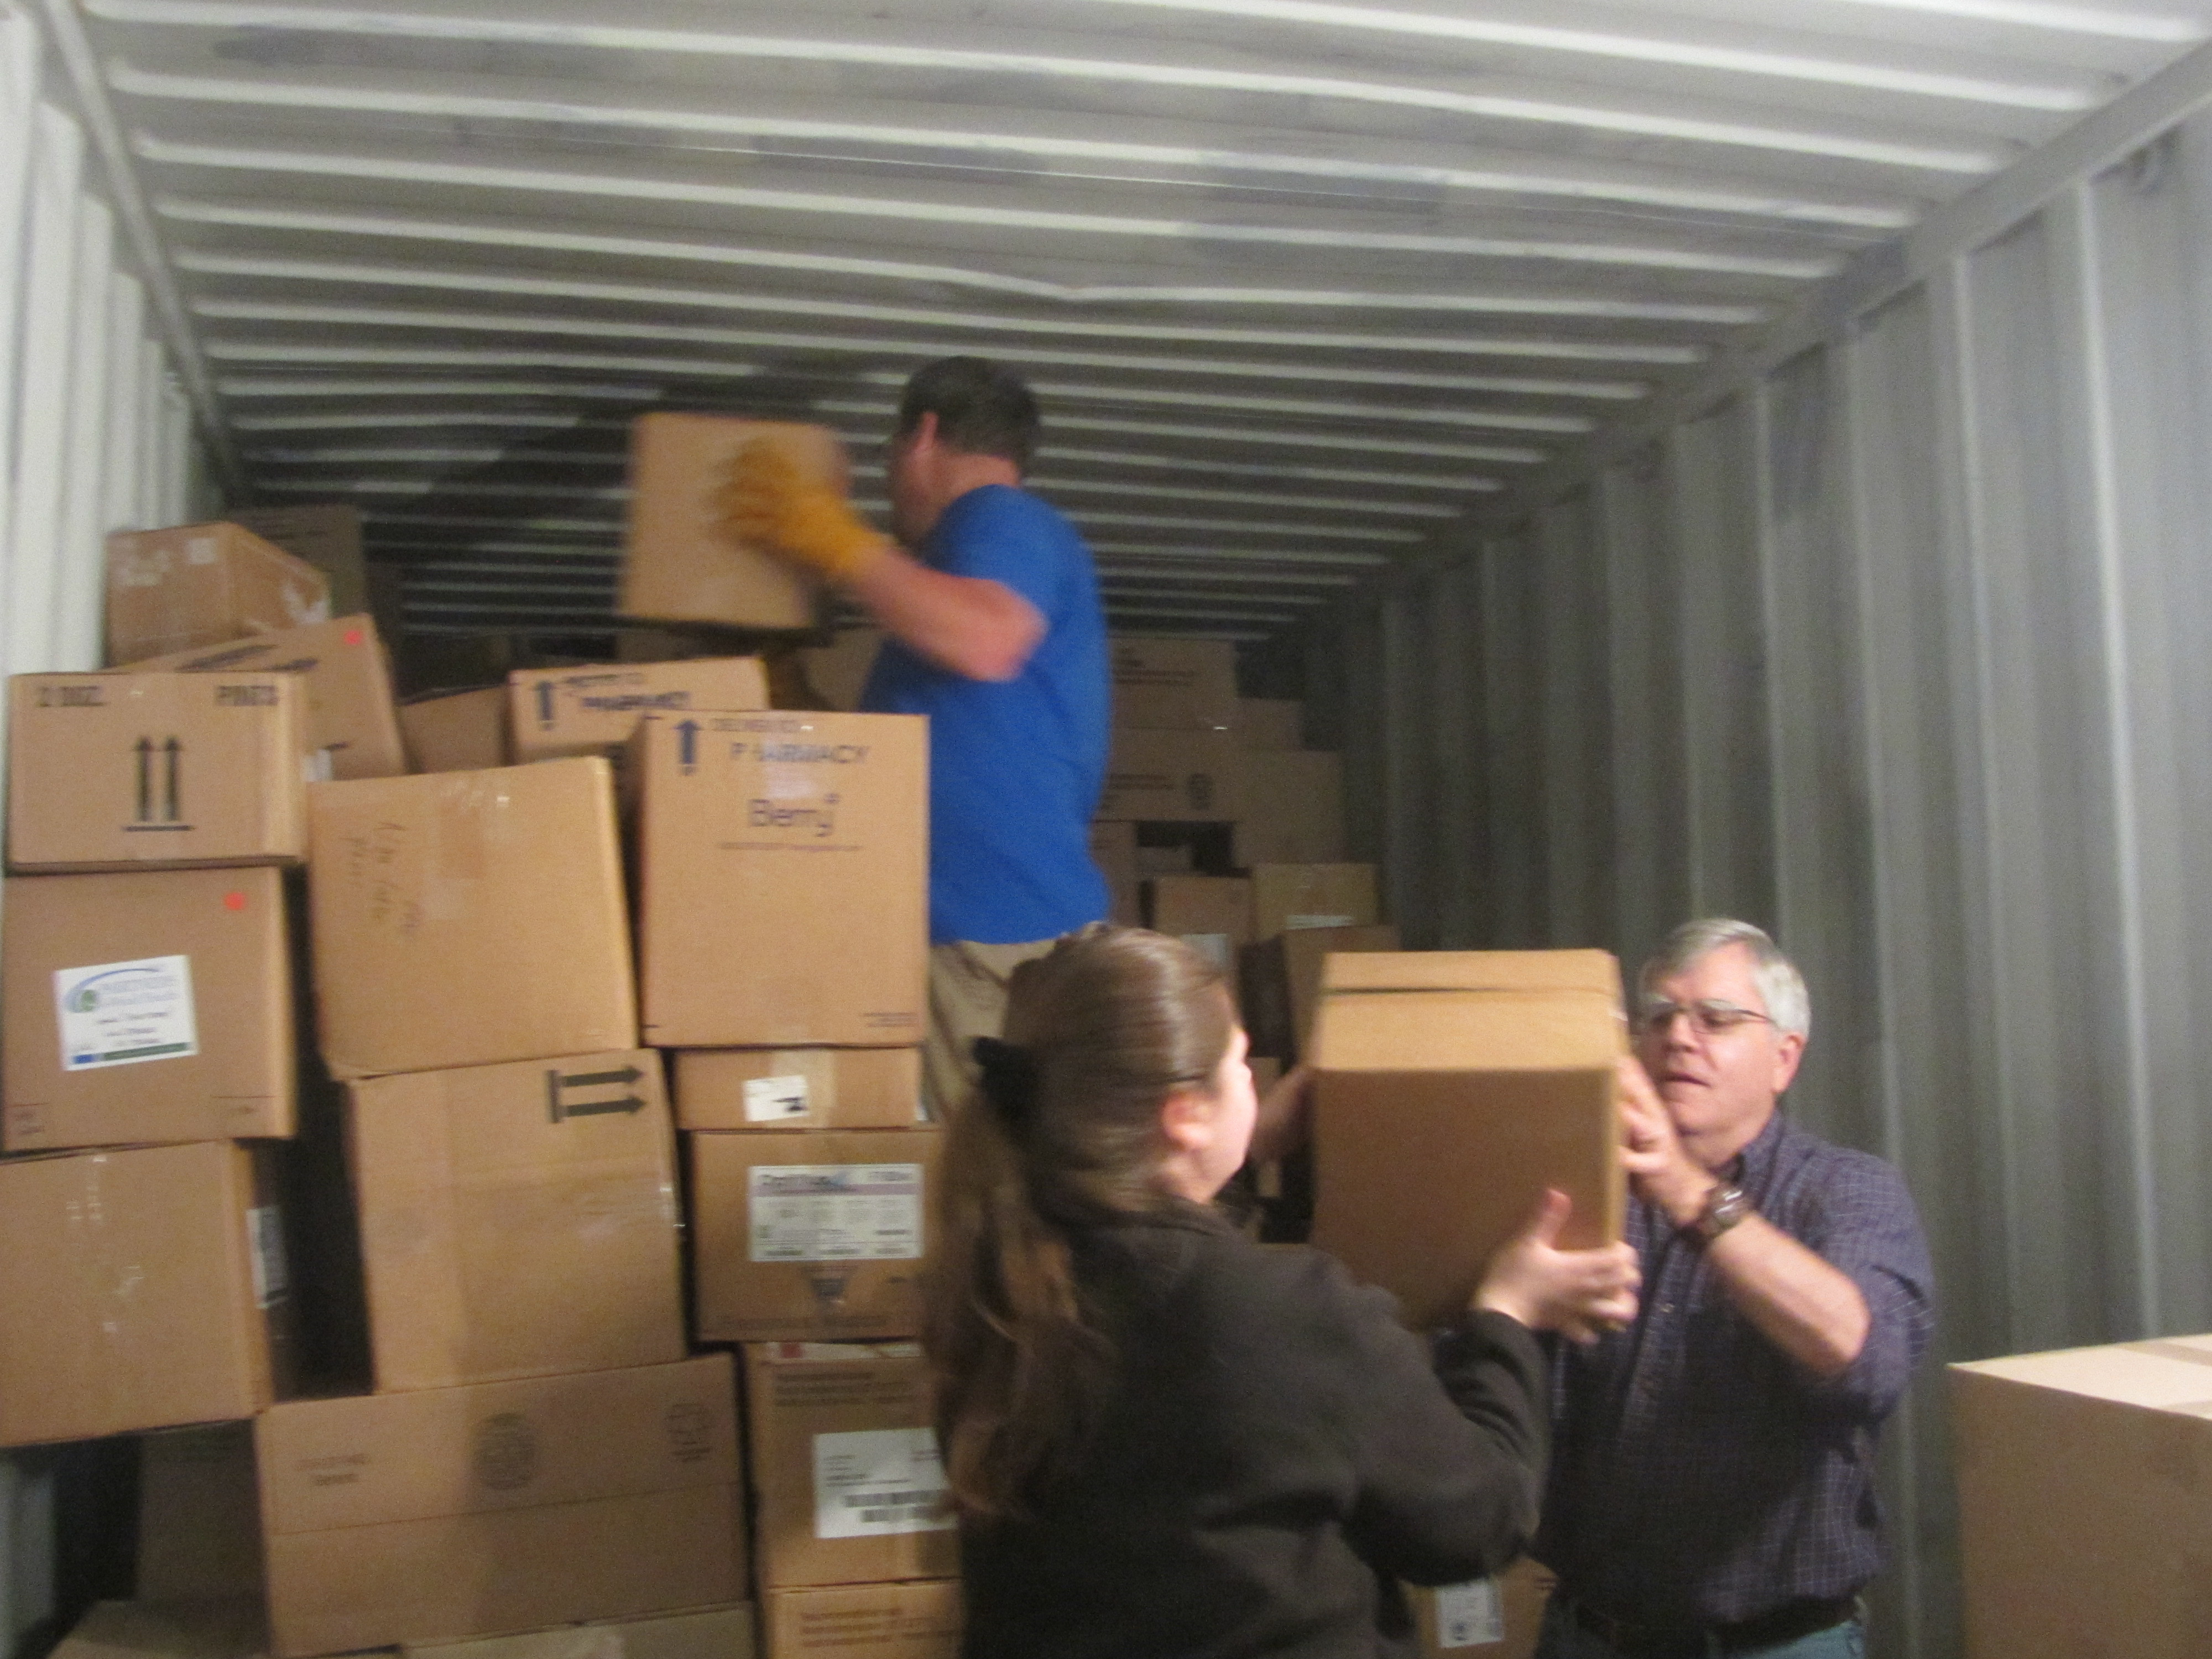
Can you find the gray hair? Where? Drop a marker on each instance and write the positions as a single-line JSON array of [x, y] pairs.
[[1780, 985]]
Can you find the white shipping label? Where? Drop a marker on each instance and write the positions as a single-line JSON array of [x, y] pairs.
[[835, 1211], [1214, 947], [265, 1242], [1469, 1615], [118, 1013], [773, 1099], [1315, 920], [874, 1481]]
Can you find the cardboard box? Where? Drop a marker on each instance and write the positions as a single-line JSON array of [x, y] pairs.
[[1114, 850], [230, 1628], [199, 1515], [783, 877], [506, 1507], [1174, 777], [1293, 809], [1486, 1619], [678, 564], [457, 731], [592, 711], [846, 1475], [154, 1006], [203, 584], [1281, 981], [1287, 897], [517, 1220], [145, 1288], [798, 1088], [351, 713], [839, 671], [2085, 1523], [1272, 725], [469, 918], [328, 536], [919, 1619], [1212, 914], [811, 1235], [122, 771], [1166, 682], [708, 1634], [1450, 1089]]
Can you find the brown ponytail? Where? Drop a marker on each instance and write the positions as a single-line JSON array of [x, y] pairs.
[[1064, 1133]]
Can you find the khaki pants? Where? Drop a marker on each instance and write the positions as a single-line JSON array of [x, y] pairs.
[[967, 1001]]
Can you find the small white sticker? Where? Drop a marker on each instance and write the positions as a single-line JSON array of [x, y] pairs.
[[318, 766], [1469, 1615], [835, 1211], [118, 1013], [1315, 920], [265, 1245], [773, 1099], [873, 1482], [1214, 947]]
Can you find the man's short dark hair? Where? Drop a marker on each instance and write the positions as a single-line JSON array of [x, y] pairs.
[[982, 407]]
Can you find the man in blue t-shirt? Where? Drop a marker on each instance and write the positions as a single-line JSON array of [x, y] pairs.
[[994, 632]]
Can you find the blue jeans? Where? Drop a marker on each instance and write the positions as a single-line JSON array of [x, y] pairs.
[[1563, 1638]]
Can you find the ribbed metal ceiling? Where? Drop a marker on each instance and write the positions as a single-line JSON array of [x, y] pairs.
[[1300, 284]]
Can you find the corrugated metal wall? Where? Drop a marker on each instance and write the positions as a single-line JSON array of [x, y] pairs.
[[93, 437], [1898, 646]]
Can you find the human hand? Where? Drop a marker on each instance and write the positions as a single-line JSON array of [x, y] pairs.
[[1285, 1116], [1659, 1166], [766, 500], [1582, 1294]]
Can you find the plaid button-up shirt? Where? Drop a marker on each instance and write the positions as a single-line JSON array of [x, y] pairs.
[[1700, 1476]]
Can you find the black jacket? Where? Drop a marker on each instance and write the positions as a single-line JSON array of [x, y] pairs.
[[1277, 1449]]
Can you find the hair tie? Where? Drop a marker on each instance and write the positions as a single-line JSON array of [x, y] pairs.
[[1010, 1080]]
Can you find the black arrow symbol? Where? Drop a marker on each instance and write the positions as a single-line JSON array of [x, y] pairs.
[[593, 1079], [687, 733], [173, 749], [545, 702], [629, 1105], [145, 779]]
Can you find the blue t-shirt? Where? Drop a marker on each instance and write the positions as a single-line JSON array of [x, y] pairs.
[[1014, 768]]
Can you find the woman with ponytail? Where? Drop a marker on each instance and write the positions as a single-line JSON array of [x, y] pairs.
[[1161, 1440]]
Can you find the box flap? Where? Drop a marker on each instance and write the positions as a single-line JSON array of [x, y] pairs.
[[1475, 970], [2171, 1374]]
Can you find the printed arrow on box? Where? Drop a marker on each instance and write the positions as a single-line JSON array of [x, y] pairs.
[[145, 751], [545, 703], [560, 1110], [687, 737], [172, 749]]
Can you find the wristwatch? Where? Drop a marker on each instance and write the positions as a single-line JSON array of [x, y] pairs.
[[1725, 1206]]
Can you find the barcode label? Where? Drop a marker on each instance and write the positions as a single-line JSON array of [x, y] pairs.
[[873, 1482]]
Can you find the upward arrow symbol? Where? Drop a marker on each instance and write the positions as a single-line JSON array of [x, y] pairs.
[[173, 811], [687, 735], [145, 779], [545, 702]]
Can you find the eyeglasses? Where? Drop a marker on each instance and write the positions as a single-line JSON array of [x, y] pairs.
[[1711, 1017]]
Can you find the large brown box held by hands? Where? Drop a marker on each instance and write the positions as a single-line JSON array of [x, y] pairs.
[[1450, 1089], [592, 711], [811, 1234], [203, 584], [128, 771], [145, 1288], [845, 1466], [2085, 1509], [458, 731], [919, 1618], [799, 1088], [469, 918], [517, 1220], [155, 1006], [677, 564], [445, 1513], [783, 873], [1495, 1618], [351, 715]]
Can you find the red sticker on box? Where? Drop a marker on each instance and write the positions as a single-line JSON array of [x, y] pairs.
[[233, 901]]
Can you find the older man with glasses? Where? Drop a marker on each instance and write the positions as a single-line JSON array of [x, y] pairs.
[[1713, 1482]]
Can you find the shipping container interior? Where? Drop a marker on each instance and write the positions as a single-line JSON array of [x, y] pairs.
[[1733, 457]]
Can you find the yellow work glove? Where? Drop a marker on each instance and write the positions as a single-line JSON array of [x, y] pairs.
[[765, 500]]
